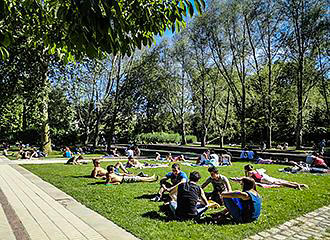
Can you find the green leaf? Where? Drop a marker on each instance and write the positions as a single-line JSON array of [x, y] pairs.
[[6, 41]]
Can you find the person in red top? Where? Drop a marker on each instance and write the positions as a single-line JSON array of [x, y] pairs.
[[319, 162], [264, 178]]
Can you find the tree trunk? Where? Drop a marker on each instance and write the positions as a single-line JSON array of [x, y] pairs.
[[45, 136], [183, 133]]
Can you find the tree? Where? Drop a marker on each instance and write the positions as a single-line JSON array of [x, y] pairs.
[[76, 28], [179, 98], [307, 26]]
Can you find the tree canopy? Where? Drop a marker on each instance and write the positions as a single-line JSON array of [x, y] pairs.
[[88, 27]]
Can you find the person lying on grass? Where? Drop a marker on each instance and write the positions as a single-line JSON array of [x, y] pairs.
[[133, 163], [264, 178], [176, 177], [220, 184], [243, 206], [191, 201], [304, 168], [113, 178], [99, 172]]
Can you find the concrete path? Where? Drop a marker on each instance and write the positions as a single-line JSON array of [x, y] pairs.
[[34, 209]]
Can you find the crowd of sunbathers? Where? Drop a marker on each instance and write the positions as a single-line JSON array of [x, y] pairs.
[[187, 200]]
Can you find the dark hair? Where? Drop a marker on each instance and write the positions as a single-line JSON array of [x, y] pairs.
[[194, 176], [110, 168], [213, 169], [248, 184], [175, 165], [95, 161], [248, 167], [212, 151]]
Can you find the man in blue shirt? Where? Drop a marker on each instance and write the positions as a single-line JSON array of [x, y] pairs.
[[176, 177]]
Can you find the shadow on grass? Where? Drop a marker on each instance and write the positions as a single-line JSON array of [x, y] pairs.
[[165, 197], [96, 183], [170, 217], [155, 215], [86, 176]]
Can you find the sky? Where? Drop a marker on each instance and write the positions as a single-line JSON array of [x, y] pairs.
[[168, 33]]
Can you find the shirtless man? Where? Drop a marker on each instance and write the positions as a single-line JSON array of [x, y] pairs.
[[113, 178], [133, 163], [99, 172]]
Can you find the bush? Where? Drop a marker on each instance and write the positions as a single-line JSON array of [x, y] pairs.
[[162, 137]]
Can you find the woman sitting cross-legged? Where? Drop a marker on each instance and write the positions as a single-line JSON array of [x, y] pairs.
[[243, 206]]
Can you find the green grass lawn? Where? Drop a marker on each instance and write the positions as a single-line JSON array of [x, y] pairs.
[[128, 205]]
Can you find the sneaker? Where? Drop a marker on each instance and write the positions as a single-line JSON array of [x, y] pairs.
[[141, 174], [155, 199]]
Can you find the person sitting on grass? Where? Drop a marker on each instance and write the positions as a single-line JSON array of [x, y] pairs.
[[169, 157], [264, 178], [203, 158], [115, 179], [243, 206], [99, 172], [190, 195], [114, 152], [220, 184], [159, 157], [244, 154], [178, 158], [67, 153], [176, 177], [23, 154], [75, 160], [317, 161]]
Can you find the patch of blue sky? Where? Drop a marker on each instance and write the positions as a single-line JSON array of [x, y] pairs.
[[168, 34]]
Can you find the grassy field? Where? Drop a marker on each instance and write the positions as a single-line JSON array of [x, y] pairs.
[[128, 205]]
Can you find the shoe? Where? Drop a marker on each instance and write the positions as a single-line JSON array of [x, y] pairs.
[[141, 174], [155, 199]]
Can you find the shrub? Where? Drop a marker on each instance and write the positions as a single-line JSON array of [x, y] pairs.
[[162, 137]]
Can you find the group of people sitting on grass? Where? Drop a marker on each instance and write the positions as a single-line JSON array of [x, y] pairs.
[[189, 201], [29, 154], [210, 158]]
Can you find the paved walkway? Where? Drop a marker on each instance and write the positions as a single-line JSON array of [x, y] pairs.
[[33, 209], [313, 225]]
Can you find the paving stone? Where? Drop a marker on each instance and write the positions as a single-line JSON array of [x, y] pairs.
[[264, 234], [6, 232], [274, 230], [256, 237], [279, 237], [288, 233], [300, 237]]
